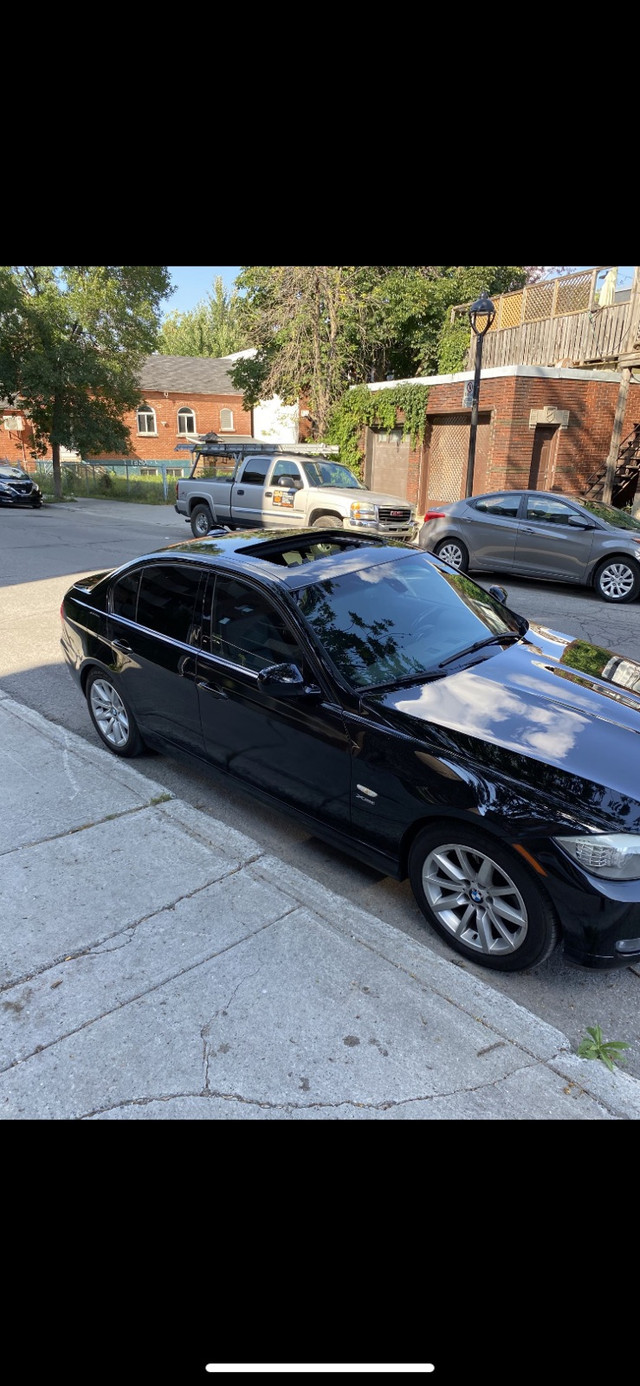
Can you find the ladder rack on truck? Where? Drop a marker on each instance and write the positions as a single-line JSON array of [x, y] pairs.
[[236, 452]]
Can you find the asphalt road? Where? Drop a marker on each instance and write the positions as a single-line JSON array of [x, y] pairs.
[[41, 552]]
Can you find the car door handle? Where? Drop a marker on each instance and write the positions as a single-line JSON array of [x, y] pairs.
[[268, 493], [240, 493], [122, 645], [526, 529], [206, 687]]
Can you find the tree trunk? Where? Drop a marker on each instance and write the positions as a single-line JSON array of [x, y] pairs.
[[57, 475], [616, 434]]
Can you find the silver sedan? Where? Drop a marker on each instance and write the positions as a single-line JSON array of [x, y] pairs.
[[539, 534]]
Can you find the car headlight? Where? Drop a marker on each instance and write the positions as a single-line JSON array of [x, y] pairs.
[[615, 856], [363, 510]]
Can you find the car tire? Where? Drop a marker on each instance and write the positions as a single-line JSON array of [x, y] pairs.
[[36, 504], [453, 552], [201, 521], [327, 522], [617, 579], [111, 715], [510, 927]]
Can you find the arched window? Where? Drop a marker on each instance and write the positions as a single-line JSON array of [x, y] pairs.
[[186, 421], [147, 419], [226, 421]]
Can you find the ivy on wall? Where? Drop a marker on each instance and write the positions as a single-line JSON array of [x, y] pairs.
[[404, 405], [453, 345]]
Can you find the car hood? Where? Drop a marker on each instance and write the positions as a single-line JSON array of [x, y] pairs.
[[377, 497], [549, 698]]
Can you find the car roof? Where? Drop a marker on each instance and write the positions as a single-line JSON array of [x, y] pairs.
[[246, 554], [524, 491]]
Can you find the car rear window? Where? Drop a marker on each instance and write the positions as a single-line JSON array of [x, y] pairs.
[[507, 506], [167, 599]]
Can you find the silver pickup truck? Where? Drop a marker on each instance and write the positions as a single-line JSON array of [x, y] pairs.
[[287, 489]]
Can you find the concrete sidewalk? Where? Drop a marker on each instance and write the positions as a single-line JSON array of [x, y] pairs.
[[157, 964]]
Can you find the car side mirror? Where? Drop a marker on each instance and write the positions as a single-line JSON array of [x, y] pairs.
[[499, 594], [286, 681], [576, 522]]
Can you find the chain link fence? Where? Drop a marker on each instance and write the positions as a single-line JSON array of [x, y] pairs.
[[153, 482]]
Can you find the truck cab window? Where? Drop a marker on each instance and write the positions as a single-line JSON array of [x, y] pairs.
[[287, 474], [255, 471]]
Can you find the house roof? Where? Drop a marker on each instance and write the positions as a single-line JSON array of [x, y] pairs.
[[194, 375]]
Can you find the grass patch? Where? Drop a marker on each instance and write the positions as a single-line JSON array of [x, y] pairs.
[[103, 485]]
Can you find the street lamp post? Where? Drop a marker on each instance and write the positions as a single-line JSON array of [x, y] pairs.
[[481, 316]]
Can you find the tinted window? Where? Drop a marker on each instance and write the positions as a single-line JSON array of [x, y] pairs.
[[255, 471], [386, 622], [499, 505], [125, 596], [167, 599], [548, 512], [247, 630]]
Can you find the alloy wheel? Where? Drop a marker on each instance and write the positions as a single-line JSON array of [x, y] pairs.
[[451, 553], [616, 581], [110, 712], [475, 899]]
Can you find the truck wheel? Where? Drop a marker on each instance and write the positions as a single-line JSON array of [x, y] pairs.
[[201, 521], [327, 522]]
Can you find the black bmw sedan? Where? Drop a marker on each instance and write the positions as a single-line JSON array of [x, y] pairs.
[[401, 711]]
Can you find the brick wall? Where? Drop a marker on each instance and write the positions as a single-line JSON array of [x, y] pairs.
[[581, 448], [160, 447], [14, 445]]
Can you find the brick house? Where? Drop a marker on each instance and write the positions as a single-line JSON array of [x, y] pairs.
[[183, 396], [538, 427]]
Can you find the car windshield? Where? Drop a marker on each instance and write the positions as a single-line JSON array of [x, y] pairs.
[[391, 621], [322, 472], [620, 518], [13, 472]]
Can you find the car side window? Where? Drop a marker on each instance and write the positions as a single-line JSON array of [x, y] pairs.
[[167, 599], [247, 630], [255, 471], [506, 506], [544, 511], [287, 474], [124, 596]]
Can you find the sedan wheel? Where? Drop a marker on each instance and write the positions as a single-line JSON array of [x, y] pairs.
[[618, 580], [481, 899], [452, 551], [111, 717]]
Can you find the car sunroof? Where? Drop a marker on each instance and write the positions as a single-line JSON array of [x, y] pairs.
[[291, 552]]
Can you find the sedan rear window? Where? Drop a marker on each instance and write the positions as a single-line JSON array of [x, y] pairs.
[[167, 599], [498, 505]]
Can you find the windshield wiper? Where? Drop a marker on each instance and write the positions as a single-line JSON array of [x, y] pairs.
[[507, 635], [404, 680]]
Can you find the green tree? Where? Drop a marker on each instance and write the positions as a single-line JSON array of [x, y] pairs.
[[72, 342], [212, 328], [320, 329]]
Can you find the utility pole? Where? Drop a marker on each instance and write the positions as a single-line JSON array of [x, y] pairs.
[[628, 357]]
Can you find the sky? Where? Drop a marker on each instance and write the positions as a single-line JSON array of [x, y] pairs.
[[194, 282]]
